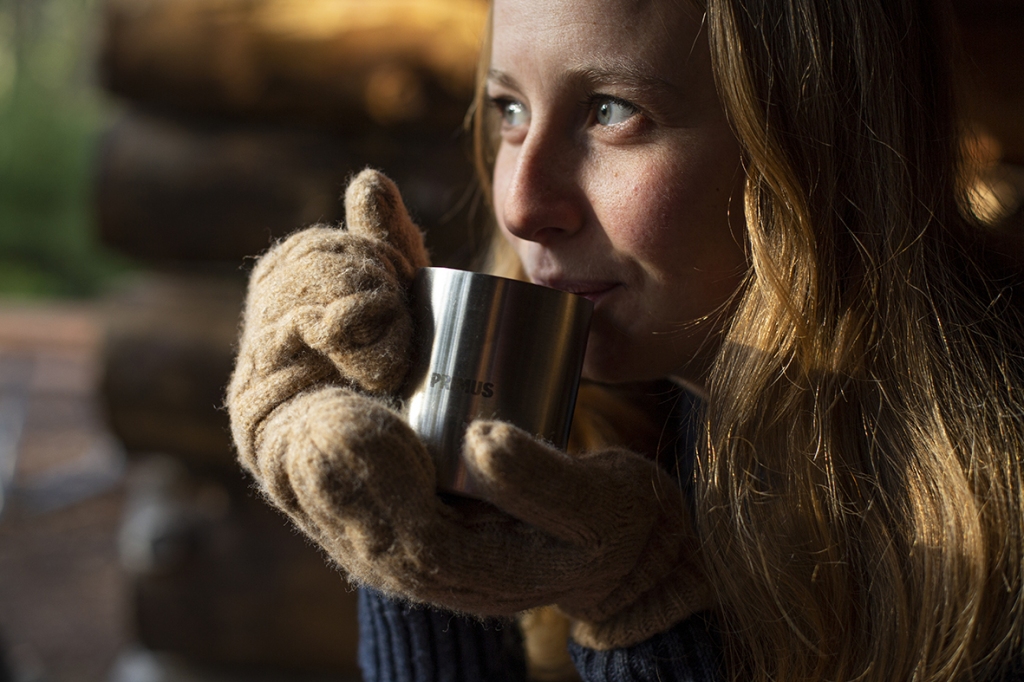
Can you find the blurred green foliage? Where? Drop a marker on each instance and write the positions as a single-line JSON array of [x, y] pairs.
[[51, 114]]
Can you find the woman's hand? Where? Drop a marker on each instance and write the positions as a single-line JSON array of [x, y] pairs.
[[605, 536], [327, 306], [615, 533], [327, 339]]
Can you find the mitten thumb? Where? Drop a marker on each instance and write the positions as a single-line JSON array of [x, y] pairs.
[[374, 208]]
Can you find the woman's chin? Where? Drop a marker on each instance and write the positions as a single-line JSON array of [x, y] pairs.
[[613, 368], [616, 361]]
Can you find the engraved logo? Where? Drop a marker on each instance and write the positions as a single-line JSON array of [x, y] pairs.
[[462, 385]]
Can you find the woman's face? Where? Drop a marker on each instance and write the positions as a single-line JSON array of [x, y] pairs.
[[617, 176]]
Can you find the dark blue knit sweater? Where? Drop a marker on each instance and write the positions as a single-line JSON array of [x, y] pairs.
[[403, 643]]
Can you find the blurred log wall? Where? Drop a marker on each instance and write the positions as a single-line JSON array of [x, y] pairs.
[[241, 121]]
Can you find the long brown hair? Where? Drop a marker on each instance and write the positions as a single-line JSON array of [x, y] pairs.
[[859, 486], [870, 524]]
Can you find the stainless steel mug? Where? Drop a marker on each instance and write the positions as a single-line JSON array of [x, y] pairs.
[[491, 348]]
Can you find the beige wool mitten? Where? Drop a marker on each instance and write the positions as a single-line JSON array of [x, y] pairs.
[[326, 342], [327, 306]]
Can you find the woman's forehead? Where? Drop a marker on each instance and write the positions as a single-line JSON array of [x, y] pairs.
[[656, 38], [623, 17]]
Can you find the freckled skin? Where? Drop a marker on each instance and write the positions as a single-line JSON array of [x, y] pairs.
[[649, 210]]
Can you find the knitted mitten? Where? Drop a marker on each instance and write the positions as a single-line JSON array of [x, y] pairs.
[[328, 306], [626, 544], [326, 341]]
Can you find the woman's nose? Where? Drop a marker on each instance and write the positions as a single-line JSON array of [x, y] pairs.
[[544, 201]]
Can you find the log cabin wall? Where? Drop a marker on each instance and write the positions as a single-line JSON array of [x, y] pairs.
[[240, 121], [992, 33], [992, 77]]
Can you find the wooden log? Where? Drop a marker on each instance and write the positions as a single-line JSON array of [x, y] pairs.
[[220, 578], [171, 191], [167, 357], [339, 63]]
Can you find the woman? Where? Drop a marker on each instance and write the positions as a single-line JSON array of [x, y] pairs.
[[766, 202]]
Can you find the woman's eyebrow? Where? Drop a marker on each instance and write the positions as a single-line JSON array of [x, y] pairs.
[[628, 76], [623, 75], [502, 78], [634, 82]]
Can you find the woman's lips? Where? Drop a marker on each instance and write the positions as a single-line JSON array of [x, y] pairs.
[[592, 290]]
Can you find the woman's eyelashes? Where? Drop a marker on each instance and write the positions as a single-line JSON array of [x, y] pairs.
[[603, 111], [513, 113], [609, 111]]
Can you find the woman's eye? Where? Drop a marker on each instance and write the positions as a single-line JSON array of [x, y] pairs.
[[512, 113], [608, 111]]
